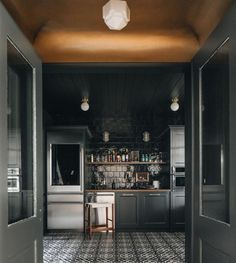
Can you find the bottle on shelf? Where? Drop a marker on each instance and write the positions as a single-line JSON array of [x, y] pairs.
[[142, 157], [118, 157], [126, 155], [123, 157], [105, 158], [113, 185], [113, 156], [150, 157], [109, 156]]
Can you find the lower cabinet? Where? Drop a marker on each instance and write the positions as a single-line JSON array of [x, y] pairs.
[[127, 210], [142, 210], [155, 210], [177, 210]]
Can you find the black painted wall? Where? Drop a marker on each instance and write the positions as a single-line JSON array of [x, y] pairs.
[[124, 100]]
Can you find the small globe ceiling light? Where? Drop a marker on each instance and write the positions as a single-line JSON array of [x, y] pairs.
[[116, 14], [105, 136], [174, 105], [84, 104], [146, 136]]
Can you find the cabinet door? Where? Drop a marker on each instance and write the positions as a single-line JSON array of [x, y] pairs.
[[127, 210], [177, 146], [155, 210], [177, 210]]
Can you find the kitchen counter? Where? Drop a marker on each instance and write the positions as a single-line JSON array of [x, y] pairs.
[[128, 190]]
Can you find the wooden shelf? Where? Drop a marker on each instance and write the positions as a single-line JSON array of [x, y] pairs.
[[123, 163]]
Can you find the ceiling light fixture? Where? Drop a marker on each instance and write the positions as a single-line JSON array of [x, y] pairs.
[[84, 104], [146, 136], [174, 105], [116, 14], [105, 136]]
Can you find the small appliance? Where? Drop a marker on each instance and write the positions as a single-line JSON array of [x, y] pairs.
[[156, 184]]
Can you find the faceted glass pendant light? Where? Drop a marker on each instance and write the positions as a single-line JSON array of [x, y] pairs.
[[116, 14]]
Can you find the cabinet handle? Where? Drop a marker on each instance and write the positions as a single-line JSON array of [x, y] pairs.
[[172, 169], [127, 194], [155, 194]]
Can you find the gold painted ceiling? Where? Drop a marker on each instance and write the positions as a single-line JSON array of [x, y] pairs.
[[159, 30]]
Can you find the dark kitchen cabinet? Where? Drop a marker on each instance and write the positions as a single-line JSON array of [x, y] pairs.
[[155, 210], [177, 146], [127, 210], [177, 210], [142, 210]]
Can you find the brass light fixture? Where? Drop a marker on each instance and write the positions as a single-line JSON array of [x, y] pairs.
[[106, 136], [146, 136]]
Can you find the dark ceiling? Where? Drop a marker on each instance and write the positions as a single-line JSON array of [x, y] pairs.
[[122, 101]]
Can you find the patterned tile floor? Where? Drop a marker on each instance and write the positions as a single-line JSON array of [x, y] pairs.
[[149, 247]]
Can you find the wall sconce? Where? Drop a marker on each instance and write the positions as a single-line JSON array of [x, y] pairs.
[[106, 136], [84, 104], [174, 105], [146, 136]]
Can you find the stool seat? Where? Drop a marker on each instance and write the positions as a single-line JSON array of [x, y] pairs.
[[99, 205], [99, 228]]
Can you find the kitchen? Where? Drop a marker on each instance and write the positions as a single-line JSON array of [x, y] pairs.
[[131, 146], [142, 118]]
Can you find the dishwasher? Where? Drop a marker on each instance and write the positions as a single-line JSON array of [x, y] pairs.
[[99, 214]]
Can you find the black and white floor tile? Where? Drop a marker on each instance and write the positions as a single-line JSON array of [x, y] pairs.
[[149, 247]]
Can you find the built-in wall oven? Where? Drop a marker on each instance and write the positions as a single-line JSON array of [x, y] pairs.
[[178, 177]]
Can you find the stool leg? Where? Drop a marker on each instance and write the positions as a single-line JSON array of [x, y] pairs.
[[85, 220], [90, 222], [113, 220], [107, 218]]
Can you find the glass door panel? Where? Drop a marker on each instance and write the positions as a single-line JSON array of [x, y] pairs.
[[214, 130], [65, 164], [20, 136]]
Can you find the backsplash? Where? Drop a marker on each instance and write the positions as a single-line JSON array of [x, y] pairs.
[[123, 176]]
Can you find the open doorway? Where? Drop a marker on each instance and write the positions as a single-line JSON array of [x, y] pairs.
[[142, 157]]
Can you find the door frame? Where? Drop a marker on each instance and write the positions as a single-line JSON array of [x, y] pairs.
[[8, 241], [189, 166]]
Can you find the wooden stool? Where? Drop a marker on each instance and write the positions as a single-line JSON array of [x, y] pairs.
[[99, 228]]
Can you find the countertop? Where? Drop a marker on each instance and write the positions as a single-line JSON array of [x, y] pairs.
[[128, 190]]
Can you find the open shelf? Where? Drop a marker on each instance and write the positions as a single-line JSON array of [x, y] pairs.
[[123, 163]]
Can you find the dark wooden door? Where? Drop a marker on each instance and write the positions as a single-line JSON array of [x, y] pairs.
[[154, 211], [21, 162], [214, 145], [127, 210]]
